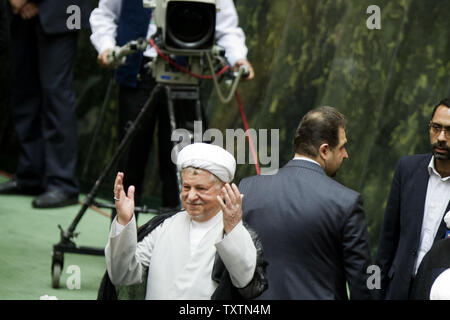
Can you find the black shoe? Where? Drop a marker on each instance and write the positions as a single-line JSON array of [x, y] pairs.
[[54, 199], [13, 187]]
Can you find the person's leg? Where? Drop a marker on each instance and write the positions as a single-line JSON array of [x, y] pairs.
[[26, 104], [59, 125]]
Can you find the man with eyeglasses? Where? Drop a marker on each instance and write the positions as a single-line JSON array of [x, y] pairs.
[[418, 201]]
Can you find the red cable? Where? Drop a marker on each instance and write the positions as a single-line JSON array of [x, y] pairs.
[[238, 99], [250, 141], [173, 63]]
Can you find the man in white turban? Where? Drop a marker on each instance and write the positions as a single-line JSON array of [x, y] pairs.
[[204, 252]]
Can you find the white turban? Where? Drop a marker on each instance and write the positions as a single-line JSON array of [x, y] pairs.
[[208, 157], [440, 290]]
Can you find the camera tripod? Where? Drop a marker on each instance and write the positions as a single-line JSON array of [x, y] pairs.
[[66, 244]]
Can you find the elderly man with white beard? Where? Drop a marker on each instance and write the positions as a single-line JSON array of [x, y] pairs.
[[204, 252]]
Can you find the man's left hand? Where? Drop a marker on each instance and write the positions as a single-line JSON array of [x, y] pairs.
[[29, 10], [244, 62], [232, 207]]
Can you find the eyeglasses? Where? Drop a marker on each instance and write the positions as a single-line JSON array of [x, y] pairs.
[[436, 129]]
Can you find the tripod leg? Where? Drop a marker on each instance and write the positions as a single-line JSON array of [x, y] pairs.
[[97, 127], [173, 127]]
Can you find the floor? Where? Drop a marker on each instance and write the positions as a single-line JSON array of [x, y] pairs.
[[27, 236]]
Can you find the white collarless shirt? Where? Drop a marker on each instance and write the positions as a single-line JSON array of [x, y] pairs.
[[199, 229]]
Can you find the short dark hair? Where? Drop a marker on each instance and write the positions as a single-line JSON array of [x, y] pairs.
[[443, 102], [318, 126]]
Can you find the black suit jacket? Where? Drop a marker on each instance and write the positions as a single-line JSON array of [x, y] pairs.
[[400, 236], [313, 231], [53, 14]]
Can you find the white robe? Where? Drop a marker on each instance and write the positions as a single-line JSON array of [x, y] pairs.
[[174, 272]]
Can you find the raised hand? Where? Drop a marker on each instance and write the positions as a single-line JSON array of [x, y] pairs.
[[124, 203], [232, 207]]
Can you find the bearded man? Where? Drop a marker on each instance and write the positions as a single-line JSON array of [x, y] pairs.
[[414, 215]]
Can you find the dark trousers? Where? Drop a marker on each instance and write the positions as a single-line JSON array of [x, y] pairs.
[[134, 161], [43, 106]]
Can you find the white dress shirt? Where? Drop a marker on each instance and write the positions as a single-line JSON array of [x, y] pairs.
[[437, 198], [104, 22]]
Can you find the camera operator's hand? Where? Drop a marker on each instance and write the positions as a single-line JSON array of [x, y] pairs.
[[124, 203], [17, 5], [244, 62], [29, 10], [102, 58]]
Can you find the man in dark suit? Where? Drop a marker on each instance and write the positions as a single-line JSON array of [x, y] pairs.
[[312, 228], [44, 37], [418, 200]]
